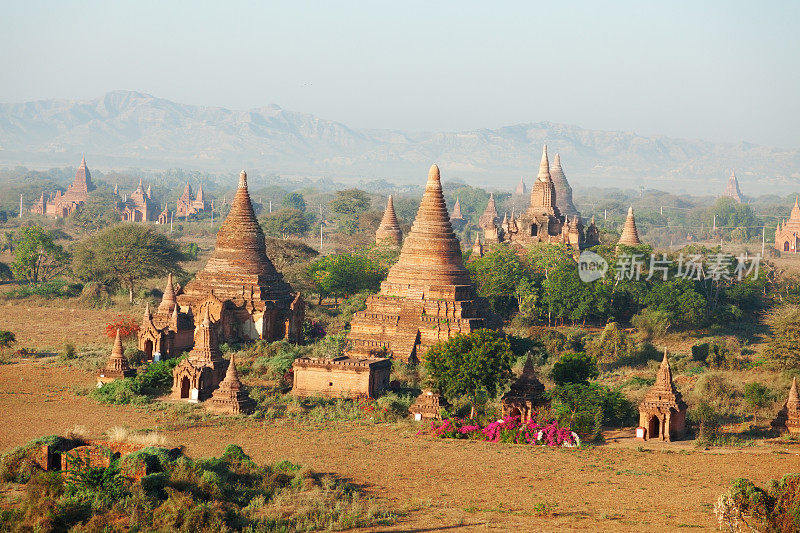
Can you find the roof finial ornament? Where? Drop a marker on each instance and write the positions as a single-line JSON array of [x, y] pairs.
[[242, 179]]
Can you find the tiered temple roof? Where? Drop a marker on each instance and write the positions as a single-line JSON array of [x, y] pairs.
[[389, 231], [563, 190], [662, 413], [457, 211], [428, 294], [246, 294], [732, 189], [489, 218], [788, 418], [230, 397], [117, 365], [543, 194], [521, 189], [630, 235], [196, 377], [787, 234]]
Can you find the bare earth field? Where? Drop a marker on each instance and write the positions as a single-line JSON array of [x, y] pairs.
[[439, 484], [35, 325]]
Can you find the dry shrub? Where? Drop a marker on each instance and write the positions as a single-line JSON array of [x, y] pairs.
[[148, 438]]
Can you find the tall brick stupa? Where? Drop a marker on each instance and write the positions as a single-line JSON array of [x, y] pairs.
[[428, 295], [247, 298]]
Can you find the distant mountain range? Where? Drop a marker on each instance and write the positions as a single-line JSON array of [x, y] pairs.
[[125, 129]]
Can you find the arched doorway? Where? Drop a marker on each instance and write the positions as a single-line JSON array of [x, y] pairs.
[[148, 348], [514, 412], [786, 246], [653, 431], [185, 387]]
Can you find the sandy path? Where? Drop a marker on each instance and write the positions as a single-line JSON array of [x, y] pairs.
[[451, 485]]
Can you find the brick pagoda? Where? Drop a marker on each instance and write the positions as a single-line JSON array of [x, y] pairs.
[[389, 232], [428, 295], [543, 220], [662, 413], [788, 418], [230, 397], [247, 298], [630, 235], [116, 366], [526, 395], [428, 405], [169, 332], [787, 235], [62, 205], [732, 189], [196, 377]]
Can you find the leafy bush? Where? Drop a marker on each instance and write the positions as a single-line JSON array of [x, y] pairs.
[[56, 288], [651, 323], [775, 509], [574, 368], [156, 378], [227, 493]]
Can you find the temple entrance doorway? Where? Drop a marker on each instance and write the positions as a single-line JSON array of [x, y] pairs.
[[514, 412], [184, 387], [652, 431], [786, 246], [148, 348]]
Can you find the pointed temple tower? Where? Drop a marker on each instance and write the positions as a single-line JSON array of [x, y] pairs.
[[477, 248], [788, 418], [116, 366], [247, 298], [428, 295], [389, 232], [526, 395], [64, 204], [230, 397], [169, 332], [489, 218], [196, 377], [787, 234], [732, 189], [563, 190], [592, 234], [457, 211], [521, 189], [662, 413], [630, 235], [542, 221]]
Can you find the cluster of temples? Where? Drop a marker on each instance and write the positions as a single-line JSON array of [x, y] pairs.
[[550, 216]]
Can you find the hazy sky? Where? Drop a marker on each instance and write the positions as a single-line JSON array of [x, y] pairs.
[[726, 71]]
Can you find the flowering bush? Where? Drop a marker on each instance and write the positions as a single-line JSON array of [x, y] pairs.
[[127, 326], [510, 430]]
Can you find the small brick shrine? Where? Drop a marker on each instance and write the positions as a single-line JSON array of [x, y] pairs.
[[662, 413]]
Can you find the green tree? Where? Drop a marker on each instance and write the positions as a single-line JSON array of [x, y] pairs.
[[285, 222], [476, 365], [783, 348], [611, 345], [294, 200], [341, 275], [758, 397], [37, 257], [7, 340], [574, 368], [347, 206], [7, 241], [497, 277], [286, 252], [99, 211], [126, 254], [5, 272]]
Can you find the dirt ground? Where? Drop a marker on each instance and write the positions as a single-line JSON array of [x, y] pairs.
[[33, 325], [437, 484]]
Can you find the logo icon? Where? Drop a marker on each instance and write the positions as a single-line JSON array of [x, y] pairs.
[[591, 267]]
